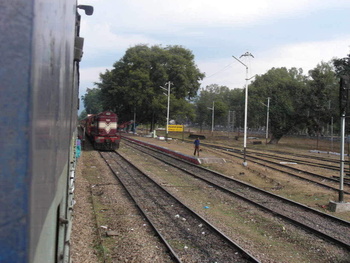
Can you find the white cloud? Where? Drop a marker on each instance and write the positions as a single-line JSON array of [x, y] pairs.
[[117, 25], [100, 38], [218, 72], [304, 55], [88, 76], [228, 72], [167, 15]]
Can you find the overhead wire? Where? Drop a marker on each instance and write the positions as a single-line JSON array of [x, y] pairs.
[[220, 70]]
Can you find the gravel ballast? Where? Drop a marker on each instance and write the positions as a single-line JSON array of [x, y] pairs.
[[108, 228]]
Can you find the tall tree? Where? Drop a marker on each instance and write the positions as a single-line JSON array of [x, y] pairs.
[[134, 84], [224, 99], [321, 98], [92, 101], [286, 89], [342, 68], [342, 65]]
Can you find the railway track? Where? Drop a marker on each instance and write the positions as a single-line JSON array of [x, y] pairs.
[[303, 159], [321, 224], [324, 181], [188, 236], [269, 161], [314, 161]]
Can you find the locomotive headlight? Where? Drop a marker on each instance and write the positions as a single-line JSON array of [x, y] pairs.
[[99, 139]]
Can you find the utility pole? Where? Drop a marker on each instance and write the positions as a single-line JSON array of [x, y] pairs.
[[344, 97], [344, 90], [212, 118], [247, 54], [167, 115], [267, 119], [231, 122], [228, 123], [134, 120]]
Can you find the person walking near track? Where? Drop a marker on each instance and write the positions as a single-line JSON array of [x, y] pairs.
[[196, 146]]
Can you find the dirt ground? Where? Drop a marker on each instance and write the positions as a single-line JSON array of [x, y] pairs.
[[264, 178], [108, 228]]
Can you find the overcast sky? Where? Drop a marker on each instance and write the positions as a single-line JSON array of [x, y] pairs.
[[279, 33]]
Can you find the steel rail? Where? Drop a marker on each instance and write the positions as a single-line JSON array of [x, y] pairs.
[[277, 152], [172, 252], [245, 255], [263, 206], [251, 157], [254, 158], [299, 161], [252, 152]]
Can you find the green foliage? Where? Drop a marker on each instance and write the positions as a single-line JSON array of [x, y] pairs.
[[286, 88], [134, 84], [182, 111], [342, 65], [82, 115], [224, 100], [92, 101], [342, 69], [298, 102], [322, 97]]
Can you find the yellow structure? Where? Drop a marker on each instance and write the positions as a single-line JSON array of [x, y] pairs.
[[176, 128]]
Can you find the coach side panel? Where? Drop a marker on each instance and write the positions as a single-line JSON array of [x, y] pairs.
[[54, 110]]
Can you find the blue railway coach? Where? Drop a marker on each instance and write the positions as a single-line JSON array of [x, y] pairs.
[[39, 75]]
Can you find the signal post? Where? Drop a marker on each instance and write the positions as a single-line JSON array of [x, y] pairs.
[[344, 88]]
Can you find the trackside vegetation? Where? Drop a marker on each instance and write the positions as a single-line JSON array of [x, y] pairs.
[[300, 103]]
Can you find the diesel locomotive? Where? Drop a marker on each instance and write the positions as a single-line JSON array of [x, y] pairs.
[[101, 129], [40, 54]]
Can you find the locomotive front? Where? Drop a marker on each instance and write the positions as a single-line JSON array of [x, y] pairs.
[[102, 131]]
